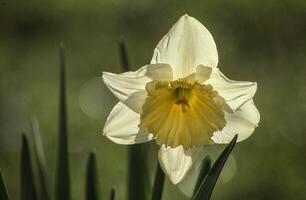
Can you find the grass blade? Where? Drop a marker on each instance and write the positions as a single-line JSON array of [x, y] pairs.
[[158, 183], [28, 191], [92, 186], [3, 190], [138, 175], [40, 160], [206, 165], [123, 56], [62, 183], [208, 184], [112, 195]]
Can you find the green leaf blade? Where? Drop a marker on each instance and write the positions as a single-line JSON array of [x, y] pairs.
[[40, 161], [28, 191], [158, 183], [206, 188], [92, 185], [62, 180], [206, 165], [123, 56], [138, 175], [3, 191], [112, 195]]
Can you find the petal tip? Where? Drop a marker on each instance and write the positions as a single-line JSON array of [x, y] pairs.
[[120, 141], [175, 180], [105, 76], [105, 130], [255, 85], [187, 18]]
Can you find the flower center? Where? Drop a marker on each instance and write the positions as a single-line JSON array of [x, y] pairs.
[[182, 113], [181, 93]]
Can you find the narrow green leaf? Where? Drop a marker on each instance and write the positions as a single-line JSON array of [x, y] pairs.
[[28, 191], [40, 160], [3, 191], [138, 175], [123, 56], [209, 182], [206, 164], [158, 183], [112, 195], [92, 184], [62, 182]]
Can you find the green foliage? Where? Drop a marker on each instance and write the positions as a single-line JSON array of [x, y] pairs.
[[3, 190], [206, 165], [40, 161], [138, 175], [112, 195], [62, 184], [206, 188], [28, 191], [92, 178], [123, 56], [158, 183]]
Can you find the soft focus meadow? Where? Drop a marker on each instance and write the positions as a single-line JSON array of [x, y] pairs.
[[263, 41]]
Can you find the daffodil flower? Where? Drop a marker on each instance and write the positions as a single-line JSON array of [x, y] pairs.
[[181, 100]]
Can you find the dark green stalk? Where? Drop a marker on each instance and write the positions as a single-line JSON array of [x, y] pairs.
[[92, 185], [28, 191], [3, 191], [138, 180], [40, 160], [123, 56], [62, 182], [112, 195], [158, 183]]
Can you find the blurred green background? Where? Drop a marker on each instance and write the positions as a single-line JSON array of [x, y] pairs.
[[263, 41]]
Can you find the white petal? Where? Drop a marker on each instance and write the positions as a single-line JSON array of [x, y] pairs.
[[125, 85], [176, 162], [235, 93], [136, 100], [203, 73], [187, 45], [160, 71], [122, 126], [242, 122]]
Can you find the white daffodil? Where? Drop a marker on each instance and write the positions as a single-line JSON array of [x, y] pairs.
[[182, 100]]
